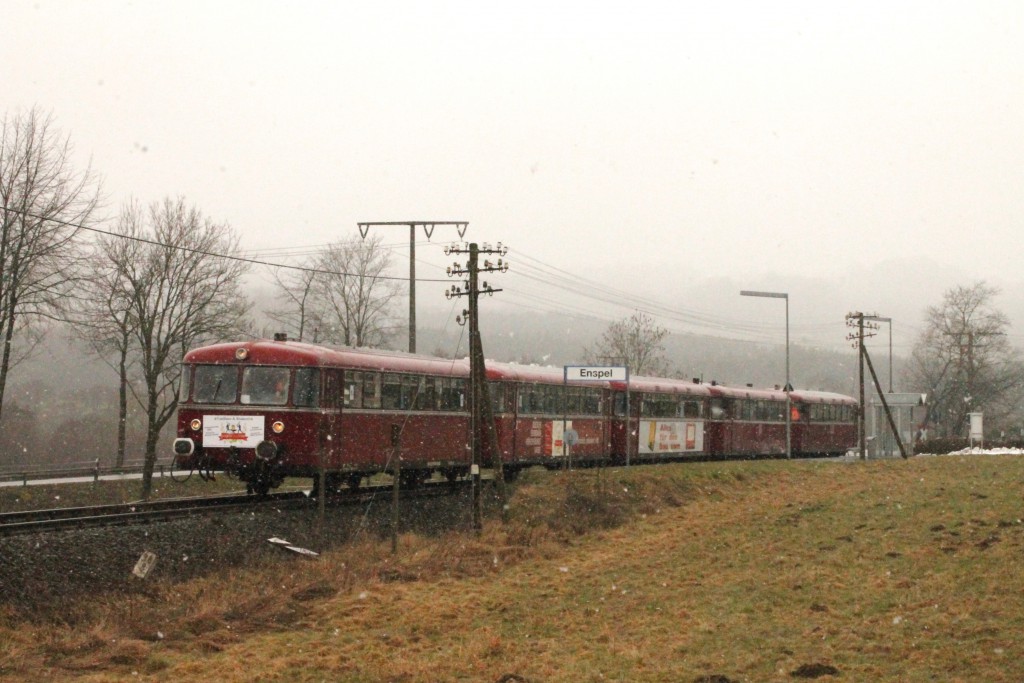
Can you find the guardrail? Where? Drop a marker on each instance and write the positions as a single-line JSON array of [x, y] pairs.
[[94, 470]]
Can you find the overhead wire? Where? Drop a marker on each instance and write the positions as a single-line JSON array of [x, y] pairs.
[[534, 271]]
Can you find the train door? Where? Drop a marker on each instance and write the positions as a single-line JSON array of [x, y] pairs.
[[721, 426], [330, 418], [607, 419], [797, 428]]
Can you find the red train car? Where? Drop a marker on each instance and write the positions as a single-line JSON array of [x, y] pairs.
[[747, 421], [266, 410], [535, 411], [667, 419], [824, 423]]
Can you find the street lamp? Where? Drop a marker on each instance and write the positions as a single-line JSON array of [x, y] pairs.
[[789, 388]]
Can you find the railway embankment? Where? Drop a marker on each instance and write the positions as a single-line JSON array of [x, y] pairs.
[[737, 571]]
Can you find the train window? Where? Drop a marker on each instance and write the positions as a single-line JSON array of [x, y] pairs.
[[553, 400], [620, 404], [307, 388], [333, 389], [186, 375], [453, 393], [371, 390], [353, 389], [691, 409], [591, 402], [410, 391], [391, 392], [531, 398], [262, 385], [215, 384], [426, 393], [573, 401], [497, 393], [722, 408]]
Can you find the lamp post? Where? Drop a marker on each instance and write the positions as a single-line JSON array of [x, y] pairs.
[[789, 388]]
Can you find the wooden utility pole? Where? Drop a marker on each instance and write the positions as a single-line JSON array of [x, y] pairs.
[[479, 400], [428, 228], [858, 320]]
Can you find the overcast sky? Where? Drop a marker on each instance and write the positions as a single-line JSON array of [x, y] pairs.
[[676, 151]]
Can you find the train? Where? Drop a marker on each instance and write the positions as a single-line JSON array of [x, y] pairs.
[[265, 410]]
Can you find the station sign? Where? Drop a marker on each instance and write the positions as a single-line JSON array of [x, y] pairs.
[[596, 373]]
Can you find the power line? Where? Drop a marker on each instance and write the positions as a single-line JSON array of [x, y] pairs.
[[201, 252], [530, 270]]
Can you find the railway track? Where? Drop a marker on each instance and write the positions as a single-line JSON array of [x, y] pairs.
[[58, 519], [62, 519]]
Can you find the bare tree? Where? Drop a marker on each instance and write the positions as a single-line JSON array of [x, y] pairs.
[[964, 362], [299, 315], [636, 342], [44, 204], [106, 317], [343, 296], [356, 292], [181, 288]]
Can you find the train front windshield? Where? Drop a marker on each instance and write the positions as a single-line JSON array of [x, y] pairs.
[[265, 386], [215, 384], [260, 385]]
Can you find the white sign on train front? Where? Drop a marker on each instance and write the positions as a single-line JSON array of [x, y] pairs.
[[597, 373]]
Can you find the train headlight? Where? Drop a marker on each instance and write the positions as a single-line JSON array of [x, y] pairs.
[[266, 450], [241, 354], [278, 427], [184, 446], [196, 424]]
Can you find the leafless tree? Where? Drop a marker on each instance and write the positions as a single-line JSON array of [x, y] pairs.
[[635, 342], [105, 317], [356, 292], [964, 362], [44, 204], [180, 288], [298, 315], [342, 296]]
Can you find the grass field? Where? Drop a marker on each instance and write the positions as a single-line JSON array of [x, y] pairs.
[[741, 571]]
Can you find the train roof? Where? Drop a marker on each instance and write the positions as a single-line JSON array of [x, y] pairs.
[[663, 385], [272, 352], [537, 374], [722, 391], [808, 396]]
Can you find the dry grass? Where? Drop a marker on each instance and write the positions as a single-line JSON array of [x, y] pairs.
[[881, 571]]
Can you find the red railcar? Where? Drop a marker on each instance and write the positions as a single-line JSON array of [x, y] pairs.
[[747, 421], [265, 410], [270, 409], [667, 419], [540, 419], [824, 423]]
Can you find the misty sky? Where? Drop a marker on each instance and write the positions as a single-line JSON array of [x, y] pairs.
[[859, 155]]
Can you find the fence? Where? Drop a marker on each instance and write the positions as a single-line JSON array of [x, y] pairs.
[[75, 470]]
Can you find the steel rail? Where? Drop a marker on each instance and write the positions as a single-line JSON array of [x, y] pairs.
[[60, 519]]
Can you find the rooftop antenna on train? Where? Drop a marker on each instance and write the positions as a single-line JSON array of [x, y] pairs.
[[428, 229]]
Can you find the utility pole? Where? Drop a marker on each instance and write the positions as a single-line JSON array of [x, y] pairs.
[[479, 400], [858, 320], [428, 229]]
